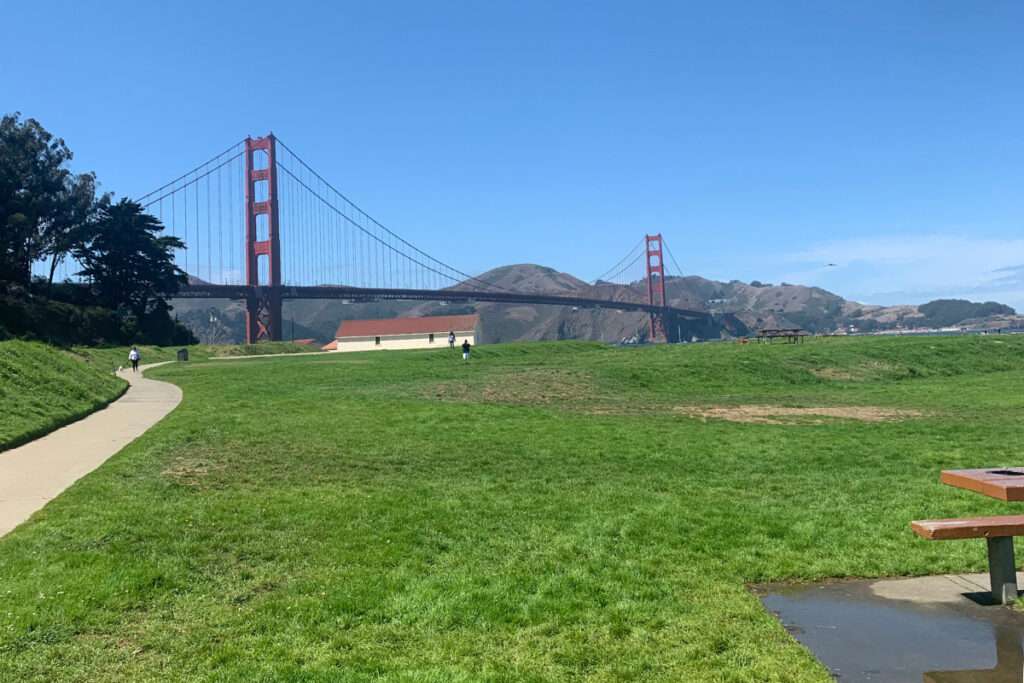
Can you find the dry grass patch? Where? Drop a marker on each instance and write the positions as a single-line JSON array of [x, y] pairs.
[[526, 386], [833, 373], [765, 414], [868, 370], [189, 472]]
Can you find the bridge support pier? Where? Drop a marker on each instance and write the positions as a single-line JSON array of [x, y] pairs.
[[263, 317]]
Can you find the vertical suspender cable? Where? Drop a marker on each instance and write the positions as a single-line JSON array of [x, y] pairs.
[[185, 227], [306, 249], [295, 197], [302, 234], [321, 250], [324, 235], [319, 237], [332, 244], [309, 235], [241, 237], [284, 226], [209, 231], [231, 218], [199, 270], [220, 231], [296, 230]]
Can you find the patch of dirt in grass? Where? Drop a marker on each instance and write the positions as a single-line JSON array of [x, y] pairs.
[[529, 385], [189, 472], [764, 414], [833, 373], [866, 371]]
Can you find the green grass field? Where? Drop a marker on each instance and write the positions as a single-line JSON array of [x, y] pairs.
[[548, 511], [43, 388], [118, 355]]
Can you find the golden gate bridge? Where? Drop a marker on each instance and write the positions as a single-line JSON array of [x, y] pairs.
[[261, 226]]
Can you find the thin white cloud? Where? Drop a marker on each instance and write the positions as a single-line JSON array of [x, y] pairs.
[[911, 269]]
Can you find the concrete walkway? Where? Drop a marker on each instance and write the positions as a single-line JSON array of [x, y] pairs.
[[33, 474]]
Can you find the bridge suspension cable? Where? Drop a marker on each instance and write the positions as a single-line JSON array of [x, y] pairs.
[[325, 238], [696, 297], [391, 260], [208, 237], [145, 200], [615, 271]]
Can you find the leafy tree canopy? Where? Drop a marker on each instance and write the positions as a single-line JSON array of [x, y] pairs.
[[129, 263], [944, 312], [42, 204]]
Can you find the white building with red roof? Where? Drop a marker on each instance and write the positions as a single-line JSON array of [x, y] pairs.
[[405, 333]]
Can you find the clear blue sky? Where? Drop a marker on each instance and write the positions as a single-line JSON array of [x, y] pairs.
[[763, 139]]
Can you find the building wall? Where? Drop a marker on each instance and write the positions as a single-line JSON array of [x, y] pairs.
[[404, 341]]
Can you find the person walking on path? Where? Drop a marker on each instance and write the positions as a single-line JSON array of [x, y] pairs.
[[32, 474], [133, 356], [451, 340], [465, 349]]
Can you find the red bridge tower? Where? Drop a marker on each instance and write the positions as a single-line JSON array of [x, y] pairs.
[[655, 285], [262, 243]]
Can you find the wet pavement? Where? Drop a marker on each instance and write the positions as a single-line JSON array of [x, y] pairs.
[[933, 629]]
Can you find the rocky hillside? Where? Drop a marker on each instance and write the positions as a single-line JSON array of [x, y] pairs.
[[734, 308]]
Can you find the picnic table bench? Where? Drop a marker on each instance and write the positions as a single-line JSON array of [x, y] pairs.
[[1003, 484], [790, 334]]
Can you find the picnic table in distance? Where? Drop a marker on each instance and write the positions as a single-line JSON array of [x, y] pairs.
[[790, 334]]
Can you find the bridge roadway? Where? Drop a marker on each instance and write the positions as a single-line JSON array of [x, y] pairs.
[[208, 291]]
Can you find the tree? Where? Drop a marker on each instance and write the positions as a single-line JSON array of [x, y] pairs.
[[127, 260], [79, 208], [42, 204], [945, 312]]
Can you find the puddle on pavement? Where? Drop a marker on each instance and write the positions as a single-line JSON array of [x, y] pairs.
[[928, 629]]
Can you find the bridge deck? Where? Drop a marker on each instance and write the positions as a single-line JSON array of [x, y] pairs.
[[204, 291]]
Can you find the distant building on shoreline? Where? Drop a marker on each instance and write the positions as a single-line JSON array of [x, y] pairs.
[[404, 333]]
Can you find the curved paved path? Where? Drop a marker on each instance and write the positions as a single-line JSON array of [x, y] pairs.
[[33, 474]]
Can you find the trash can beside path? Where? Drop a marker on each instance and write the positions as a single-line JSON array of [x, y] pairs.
[[183, 354]]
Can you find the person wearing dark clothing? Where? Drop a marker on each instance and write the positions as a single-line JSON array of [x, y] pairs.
[[451, 340], [465, 349], [133, 356]]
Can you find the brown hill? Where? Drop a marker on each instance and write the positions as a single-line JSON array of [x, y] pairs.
[[732, 307]]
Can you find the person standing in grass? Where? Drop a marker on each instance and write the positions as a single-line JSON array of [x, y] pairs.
[[465, 349], [133, 356], [451, 339]]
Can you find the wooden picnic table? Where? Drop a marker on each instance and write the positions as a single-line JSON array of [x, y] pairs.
[[790, 334], [1004, 483]]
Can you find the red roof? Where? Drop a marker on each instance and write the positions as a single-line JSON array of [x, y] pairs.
[[330, 346], [440, 324]]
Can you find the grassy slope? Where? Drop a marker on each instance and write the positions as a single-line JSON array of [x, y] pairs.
[[539, 513], [42, 388]]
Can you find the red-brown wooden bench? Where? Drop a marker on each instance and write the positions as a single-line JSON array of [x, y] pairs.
[[998, 531]]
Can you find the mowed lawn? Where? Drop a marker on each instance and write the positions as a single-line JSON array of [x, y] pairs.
[[548, 511]]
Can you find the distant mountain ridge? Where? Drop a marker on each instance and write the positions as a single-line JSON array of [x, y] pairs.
[[735, 309]]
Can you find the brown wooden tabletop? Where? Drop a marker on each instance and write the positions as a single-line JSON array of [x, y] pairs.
[[1004, 483]]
